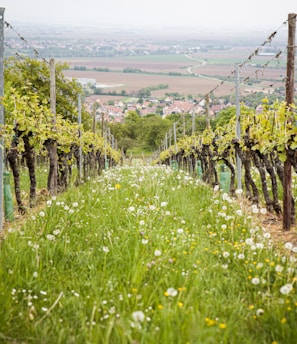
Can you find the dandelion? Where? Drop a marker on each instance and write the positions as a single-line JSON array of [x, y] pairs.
[[56, 232], [44, 309], [163, 204], [222, 326], [263, 211], [180, 231], [141, 222], [259, 312], [35, 274], [249, 241], [138, 316], [289, 246], [225, 266], [259, 245], [267, 235], [171, 292], [75, 204], [105, 249], [131, 209], [241, 256], [255, 281], [157, 253], [117, 186], [49, 203], [41, 213], [50, 237], [226, 254], [279, 268], [238, 191], [144, 241], [239, 212], [255, 209], [286, 289]]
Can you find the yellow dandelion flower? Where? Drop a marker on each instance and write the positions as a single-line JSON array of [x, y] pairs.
[[166, 293], [283, 320], [251, 306], [117, 186], [222, 326], [180, 304], [160, 307]]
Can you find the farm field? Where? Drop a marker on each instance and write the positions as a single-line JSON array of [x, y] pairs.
[[146, 254], [208, 67]]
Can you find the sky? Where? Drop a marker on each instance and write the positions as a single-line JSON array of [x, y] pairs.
[[213, 14]]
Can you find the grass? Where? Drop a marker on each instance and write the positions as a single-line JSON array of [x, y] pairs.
[[145, 255]]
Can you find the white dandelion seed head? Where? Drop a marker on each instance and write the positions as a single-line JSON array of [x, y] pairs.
[[105, 249], [157, 253], [289, 246], [172, 292], [138, 316], [255, 281], [226, 254], [239, 212], [50, 237], [286, 289], [279, 268], [259, 312]]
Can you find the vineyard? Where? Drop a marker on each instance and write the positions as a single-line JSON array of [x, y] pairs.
[[267, 139]]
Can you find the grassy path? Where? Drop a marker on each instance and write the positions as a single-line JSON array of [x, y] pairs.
[[145, 255]]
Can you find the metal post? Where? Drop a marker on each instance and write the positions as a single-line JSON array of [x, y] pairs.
[[1, 111], [238, 160], [80, 138]]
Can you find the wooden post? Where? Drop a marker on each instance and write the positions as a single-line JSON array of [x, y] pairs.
[[51, 145], [2, 9], [287, 182], [207, 111]]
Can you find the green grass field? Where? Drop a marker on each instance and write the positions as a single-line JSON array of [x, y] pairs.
[[146, 255]]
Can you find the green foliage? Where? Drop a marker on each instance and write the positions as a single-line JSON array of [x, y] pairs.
[[34, 76]]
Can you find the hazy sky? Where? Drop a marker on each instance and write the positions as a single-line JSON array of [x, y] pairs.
[[268, 14]]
